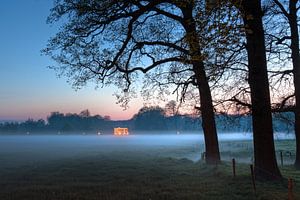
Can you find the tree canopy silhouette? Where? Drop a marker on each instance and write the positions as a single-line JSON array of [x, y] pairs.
[[150, 118], [113, 42]]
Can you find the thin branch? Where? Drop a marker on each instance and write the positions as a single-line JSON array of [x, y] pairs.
[[281, 7], [153, 65], [282, 107], [167, 44]]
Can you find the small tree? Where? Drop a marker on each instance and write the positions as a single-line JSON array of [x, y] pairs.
[[85, 113], [171, 108]]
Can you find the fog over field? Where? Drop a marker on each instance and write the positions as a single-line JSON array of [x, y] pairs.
[[16, 151]]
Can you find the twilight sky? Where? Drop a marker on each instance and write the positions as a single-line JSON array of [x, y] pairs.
[[27, 87]]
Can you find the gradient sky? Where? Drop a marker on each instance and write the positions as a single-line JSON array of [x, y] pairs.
[[27, 87]]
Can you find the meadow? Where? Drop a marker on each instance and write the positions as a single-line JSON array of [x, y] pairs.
[[149, 167]]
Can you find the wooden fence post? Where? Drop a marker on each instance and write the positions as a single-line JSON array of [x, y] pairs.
[[253, 178], [281, 158], [233, 167], [290, 189]]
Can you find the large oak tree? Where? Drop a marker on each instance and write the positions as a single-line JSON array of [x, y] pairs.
[[259, 91], [264, 150], [285, 40], [113, 42]]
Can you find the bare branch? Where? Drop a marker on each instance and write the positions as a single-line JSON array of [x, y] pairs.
[[281, 7]]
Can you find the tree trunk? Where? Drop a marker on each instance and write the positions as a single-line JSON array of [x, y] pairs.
[[207, 112], [296, 72], [212, 155], [264, 150]]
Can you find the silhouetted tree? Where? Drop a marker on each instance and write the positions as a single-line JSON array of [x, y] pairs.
[[150, 118], [171, 108], [110, 42], [10, 127], [285, 38], [85, 113], [79, 122], [260, 106], [56, 121], [264, 150]]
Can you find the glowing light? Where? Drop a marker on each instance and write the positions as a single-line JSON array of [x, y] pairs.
[[121, 131]]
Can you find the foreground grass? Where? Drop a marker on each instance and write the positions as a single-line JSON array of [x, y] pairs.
[[139, 176]]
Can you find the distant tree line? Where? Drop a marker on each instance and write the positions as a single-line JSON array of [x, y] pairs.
[[153, 118]]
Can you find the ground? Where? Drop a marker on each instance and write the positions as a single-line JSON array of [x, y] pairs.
[[143, 175]]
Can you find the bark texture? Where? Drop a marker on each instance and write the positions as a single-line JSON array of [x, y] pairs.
[[264, 150]]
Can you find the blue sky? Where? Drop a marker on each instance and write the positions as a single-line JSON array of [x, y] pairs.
[[27, 87]]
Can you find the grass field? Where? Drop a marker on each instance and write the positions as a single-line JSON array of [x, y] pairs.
[[141, 174]]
